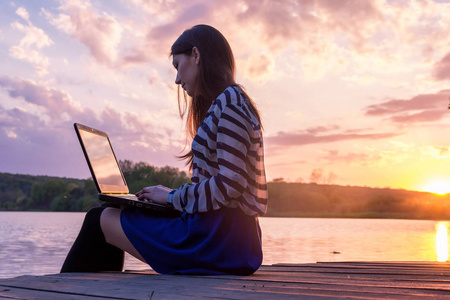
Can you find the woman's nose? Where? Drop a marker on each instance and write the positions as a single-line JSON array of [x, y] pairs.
[[177, 80]]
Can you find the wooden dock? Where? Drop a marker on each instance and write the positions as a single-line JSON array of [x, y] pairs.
[[336, 280]]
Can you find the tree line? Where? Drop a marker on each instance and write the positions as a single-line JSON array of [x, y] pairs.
[[318, 198], [325, 200], [44, 193]]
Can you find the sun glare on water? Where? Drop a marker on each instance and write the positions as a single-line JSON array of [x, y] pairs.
[[442, 241], [440, 187]]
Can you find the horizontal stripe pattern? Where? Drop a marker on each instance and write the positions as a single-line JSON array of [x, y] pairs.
[[228, 166]]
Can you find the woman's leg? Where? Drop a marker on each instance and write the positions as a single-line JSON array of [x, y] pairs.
[[91, 252], [114, 235]]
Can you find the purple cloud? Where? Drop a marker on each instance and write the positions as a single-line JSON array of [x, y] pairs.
[[29, 141], [54, 102]]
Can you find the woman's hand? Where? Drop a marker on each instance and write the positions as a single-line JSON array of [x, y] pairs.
[[157, 194]]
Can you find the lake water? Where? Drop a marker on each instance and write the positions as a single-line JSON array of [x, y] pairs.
[[36, 243]]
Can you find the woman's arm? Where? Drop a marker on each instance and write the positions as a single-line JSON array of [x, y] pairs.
[[225, 153]]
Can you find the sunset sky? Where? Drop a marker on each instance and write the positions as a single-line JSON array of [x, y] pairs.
[[356, 89]]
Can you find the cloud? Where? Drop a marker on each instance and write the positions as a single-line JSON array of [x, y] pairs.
[[158, 8], [334, 36], [319, 33], [437, 152], [308, 29], [23, 13], [56, 109], [288, 19], [29, 48], [321, 36], [335, 156], [100, 32], [185, 15], [135, 56], [258, 66], [56, 104], [117, 41], [381, 157], [421, 108], [303, 138], [442, 68], [424, 116], [289, 164], [319, 129], [40, 129]]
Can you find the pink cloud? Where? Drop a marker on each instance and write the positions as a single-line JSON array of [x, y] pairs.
[[99, 32], [260, 65], [347, 158], [156, 8], [291, 20], [289, 164], [138, 55], [313, 29], [319, 129], [421, 108], [186, 16], [424, 116], [442, 68], [274, 24], [300, 138]]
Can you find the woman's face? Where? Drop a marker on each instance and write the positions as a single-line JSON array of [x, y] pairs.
[[187, 70]]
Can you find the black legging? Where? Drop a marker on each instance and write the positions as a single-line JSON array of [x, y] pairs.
[[90, 252]]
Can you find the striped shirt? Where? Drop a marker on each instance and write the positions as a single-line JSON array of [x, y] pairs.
[[228, 164]]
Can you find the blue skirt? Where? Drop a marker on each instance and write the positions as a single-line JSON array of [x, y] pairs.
[[225, 241]]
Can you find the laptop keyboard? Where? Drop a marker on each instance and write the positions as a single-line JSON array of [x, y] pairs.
[[128, 196]]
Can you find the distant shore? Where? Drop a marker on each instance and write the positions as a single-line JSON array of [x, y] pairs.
[[286, 199]]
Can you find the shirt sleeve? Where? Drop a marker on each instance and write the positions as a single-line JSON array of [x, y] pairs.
[[231, 144]]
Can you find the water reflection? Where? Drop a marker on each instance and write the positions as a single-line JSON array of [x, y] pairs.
[[442, 241], [36, 243]]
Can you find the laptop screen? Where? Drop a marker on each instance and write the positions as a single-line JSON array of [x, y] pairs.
[[101, 160]]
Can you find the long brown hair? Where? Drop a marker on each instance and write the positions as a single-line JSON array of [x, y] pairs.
[[216, 73]]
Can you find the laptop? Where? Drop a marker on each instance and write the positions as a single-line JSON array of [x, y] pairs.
[[106, 172]]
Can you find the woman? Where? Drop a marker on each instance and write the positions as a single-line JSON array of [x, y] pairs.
[[217, 231]]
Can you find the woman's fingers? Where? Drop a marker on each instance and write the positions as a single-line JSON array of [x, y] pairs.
[[156, 194]]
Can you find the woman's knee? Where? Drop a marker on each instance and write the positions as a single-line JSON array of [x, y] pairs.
[[113, 231], [110, 223]]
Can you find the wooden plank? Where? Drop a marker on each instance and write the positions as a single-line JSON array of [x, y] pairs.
[[24, 294], [366, 282], [315, 281], [383, 269], [144, 286]]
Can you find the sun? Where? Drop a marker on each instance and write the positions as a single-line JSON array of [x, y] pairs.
[[440, 187]]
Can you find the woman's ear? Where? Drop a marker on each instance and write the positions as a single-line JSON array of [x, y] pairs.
[[196, 55]]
